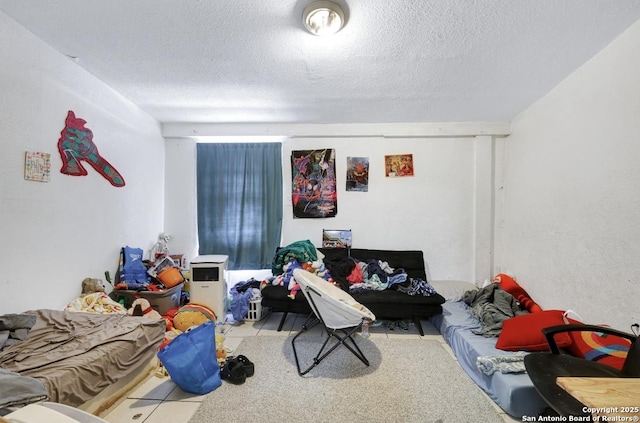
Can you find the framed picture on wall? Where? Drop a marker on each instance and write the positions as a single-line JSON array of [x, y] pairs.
[[313, 183], [357, 174], [398, 165], [336, 238]]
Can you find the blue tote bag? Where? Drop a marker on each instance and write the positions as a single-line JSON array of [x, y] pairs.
[[190, 360]]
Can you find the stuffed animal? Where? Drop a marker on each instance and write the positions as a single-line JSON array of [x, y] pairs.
[[91, 285], [142, 307], [192, 315], [221, 351], [509, 284]]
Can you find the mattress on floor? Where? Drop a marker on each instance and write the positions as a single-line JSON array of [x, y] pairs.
[[77, 355], [514, 393]]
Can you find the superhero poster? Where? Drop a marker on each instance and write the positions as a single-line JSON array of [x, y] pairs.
[[313, 184], [357, 174]]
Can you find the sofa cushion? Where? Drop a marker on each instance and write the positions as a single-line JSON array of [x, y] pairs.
[[603, 348], [277, 298], [390, 296], [524, 333], [394, 305]]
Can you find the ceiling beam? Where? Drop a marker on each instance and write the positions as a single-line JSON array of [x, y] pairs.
[[387, 130]]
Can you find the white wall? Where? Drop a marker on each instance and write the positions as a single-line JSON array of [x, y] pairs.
[[180, 206], [55, 234], [431, 211], [571, 212], [566, 218], [434, 211]]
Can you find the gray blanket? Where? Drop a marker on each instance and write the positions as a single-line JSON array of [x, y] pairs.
[[15, 328], [513, 363], [18, 390], [492, 305]]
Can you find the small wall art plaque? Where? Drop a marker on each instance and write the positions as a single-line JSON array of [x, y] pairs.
[[37, 166]]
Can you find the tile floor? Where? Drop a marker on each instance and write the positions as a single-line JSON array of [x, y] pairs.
[[159, 400]]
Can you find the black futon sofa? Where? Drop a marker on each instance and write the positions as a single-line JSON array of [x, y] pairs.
[[386, 305]]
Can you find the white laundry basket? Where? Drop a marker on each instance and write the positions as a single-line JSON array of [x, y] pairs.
[[256, 311]]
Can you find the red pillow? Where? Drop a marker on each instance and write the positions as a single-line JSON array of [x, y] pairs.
[[606, 349], [507, 283], [524, 333]]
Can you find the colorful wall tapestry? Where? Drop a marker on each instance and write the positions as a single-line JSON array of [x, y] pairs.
[[357, 174], [398, 165], [314, 183], [76, 144]]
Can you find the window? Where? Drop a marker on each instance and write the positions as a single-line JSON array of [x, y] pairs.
[[239, 194]]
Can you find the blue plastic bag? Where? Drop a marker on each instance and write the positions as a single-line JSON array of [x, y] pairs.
[[191, 360]]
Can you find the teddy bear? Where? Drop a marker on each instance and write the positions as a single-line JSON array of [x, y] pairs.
[[91, 285]]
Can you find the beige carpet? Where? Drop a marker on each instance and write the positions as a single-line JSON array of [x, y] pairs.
[[410, 380]]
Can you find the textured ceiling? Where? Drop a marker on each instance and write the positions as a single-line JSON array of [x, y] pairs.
[[242, 61]]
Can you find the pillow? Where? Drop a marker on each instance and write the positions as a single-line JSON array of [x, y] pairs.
[[507, 283], [524, 333], [452, 290], [603, 348]]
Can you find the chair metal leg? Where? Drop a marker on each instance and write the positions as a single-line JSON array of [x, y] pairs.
[[345, 340], [284, 317], [316, 361], [416, 321], [355, 349]]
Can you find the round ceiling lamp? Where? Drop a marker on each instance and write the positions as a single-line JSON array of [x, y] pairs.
[[323, 18]]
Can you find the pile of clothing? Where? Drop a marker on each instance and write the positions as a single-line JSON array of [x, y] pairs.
[[492, 305], [348, 273], [242, 294]]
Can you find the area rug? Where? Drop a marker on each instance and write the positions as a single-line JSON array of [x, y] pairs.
[[412, 380]]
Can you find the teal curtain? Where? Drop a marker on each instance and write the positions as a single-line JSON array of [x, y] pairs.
[[240, 202]]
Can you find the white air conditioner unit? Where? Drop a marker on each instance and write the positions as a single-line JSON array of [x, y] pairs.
[[208, 284]]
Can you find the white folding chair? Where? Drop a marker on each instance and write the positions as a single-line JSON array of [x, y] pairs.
[[340, 314]]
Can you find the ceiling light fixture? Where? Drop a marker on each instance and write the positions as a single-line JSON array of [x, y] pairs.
[[323, 18]]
